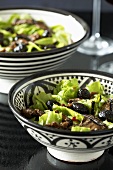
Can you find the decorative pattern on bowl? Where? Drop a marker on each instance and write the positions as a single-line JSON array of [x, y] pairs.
[[21, 64], [61, 142]]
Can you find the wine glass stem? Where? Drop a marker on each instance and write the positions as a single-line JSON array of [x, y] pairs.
[[96, 18]]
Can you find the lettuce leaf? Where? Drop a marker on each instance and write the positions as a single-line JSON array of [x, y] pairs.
[[50, 117], [66, 90], [109, 124], [80, 129], [39, 101], [68, 112], [95, 87]]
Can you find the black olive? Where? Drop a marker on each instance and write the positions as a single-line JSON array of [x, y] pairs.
[[92, 108], [50, 103], [10, 29], [102, 115], [83, 94], [1, 38], [3, 41], [20, 48], [6, 42], [109, 115], [80, 108], [106, 115]]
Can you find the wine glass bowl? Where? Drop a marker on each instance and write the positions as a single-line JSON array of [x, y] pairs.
[[96, 44]]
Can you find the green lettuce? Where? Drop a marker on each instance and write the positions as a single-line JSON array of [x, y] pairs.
[[65, 90], [50, 117], [80, 129], [109, 124], [95, 87], [68, 112], [39, 101]]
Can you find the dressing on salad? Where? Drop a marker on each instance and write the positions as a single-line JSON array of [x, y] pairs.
[[73, 108]]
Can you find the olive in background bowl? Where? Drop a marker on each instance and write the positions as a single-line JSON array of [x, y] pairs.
[[16, 65]]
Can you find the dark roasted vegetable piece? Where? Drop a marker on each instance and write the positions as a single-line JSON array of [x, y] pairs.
[[67, 119], [53, 124], [34, 37], [106, 105], [109, 115], [30, 113], [21, 36], [65, 124], [42, 25], [24, 21], [93, 123], [83, 94], [80, 108], [10, 29]]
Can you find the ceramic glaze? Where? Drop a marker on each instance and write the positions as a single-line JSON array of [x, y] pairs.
[[87, 145]]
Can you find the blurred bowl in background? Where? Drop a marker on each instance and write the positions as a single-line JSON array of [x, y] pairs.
[[16, 65]]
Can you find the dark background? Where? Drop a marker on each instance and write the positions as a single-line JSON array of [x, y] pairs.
[[73, 5]]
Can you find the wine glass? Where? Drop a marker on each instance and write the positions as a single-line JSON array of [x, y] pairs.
[[108, 66], [96, 45]]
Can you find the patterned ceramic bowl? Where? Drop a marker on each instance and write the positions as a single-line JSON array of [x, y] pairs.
[[16, 65], [64, 145]]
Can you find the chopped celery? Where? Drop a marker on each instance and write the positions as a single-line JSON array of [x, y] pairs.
[[32, 45], [80, 129], [46, 41]]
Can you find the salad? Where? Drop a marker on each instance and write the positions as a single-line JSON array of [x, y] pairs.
[[71, 107], [23, 33]]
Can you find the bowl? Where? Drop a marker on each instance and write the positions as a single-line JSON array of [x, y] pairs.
[[61, 144], [16, 65]]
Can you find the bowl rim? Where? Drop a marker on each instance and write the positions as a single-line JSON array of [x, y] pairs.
[[46, 129], [58, 50]]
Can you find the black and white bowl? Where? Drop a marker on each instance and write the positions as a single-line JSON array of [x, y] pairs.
[[18, 65], [64, 145]]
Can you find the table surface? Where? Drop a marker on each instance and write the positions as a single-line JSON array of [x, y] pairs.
[[19, 151]]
